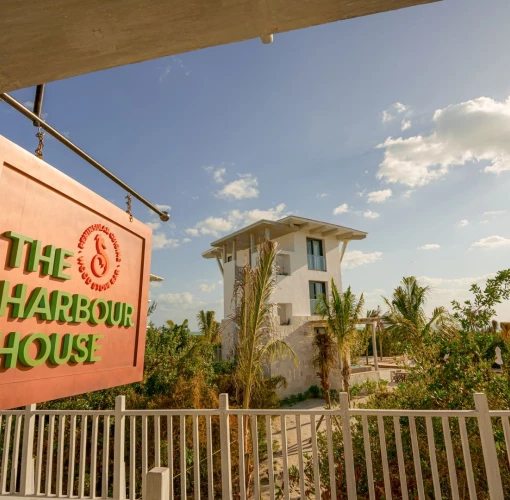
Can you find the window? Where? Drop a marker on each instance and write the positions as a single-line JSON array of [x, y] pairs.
[[317, 288], [315, 251]]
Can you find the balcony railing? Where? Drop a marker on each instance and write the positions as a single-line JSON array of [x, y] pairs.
[[340, 453], [313, 306], [316, 262]]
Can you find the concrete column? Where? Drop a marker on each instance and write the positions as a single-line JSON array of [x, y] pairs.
[[374, 346], [224, 254], [234, 252], [252, 248], [267, 233]]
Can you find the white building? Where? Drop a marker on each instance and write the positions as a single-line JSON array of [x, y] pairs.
[[310, 254]]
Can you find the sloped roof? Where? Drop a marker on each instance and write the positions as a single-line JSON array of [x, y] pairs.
[[279, 228]]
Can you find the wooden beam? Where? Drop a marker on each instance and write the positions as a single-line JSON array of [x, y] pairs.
[[342, 252], [317, 229], [329, 232], [48, 40], [219, 265]]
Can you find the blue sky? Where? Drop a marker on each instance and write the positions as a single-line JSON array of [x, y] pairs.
[[399, 119]]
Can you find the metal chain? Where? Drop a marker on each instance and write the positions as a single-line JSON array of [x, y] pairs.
[[40, 147], [128, 209]]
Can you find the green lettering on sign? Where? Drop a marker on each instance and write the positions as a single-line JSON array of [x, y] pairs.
[[18, 242], [81, 350], [17, 300], [10, 351], [42, 354], [38, 303]]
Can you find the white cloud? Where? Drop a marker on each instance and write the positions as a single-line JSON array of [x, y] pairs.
[[379, 196], [244, 187], [429, 246], [218, 173], [387, 116], [374, 293], [164, 208], [341, 209], [322, 195], [204, 287], [155, 284], [192, 231], [426, 280], [463, 223], [369, 214], [471, 131], [361, 193], [184, 298], [356, 258], [492, 242], [400, 108], [186, 240], [160, 241], [214, 226], [407, 194], [495, 212], [153, 225], [29, 105], [405, 125]]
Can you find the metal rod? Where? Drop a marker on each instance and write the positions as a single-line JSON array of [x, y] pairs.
[[38, 102], [164, 216]]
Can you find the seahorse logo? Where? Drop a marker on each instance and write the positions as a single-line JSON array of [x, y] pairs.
[[100, 262]]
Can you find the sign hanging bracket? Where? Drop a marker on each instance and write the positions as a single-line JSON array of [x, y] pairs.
[[164, 216]]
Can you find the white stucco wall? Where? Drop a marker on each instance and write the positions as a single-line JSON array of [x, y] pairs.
[[293, 293]]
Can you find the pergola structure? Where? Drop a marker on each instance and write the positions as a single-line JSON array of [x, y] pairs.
[[44, 41]]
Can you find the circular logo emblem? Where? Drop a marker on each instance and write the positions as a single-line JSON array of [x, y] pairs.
[[99, 257]]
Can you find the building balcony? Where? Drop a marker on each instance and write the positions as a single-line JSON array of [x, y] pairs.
[[316, 262]]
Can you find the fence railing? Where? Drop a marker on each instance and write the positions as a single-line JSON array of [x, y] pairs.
[[232, 453]]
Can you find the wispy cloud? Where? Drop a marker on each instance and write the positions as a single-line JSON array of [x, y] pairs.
[[160, 241], [369, 214], [322, 195], [204, 287], [495, 212], [215, 226], [429, 246], [341, 209], [492, 242], [244, 187], [218, 173], [463, 223], [379, 196], [356, 258]]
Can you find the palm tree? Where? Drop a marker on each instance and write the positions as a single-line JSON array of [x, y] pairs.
[[406, 320], [253, 319], [379, 327], [342, 314], [209, 327], [325, 358], [256, 345]]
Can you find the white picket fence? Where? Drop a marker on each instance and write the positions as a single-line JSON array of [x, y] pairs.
[[107, 454]]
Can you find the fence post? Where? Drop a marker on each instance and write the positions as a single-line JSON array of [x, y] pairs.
[[119, 487], [490, 455], [158, 484], [226, 470], [27, 453], [347, 438]]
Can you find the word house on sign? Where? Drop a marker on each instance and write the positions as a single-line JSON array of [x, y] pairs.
[[73, 285]]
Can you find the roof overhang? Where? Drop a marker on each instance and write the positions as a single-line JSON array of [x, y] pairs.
[[48, 40], [277, 229]]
